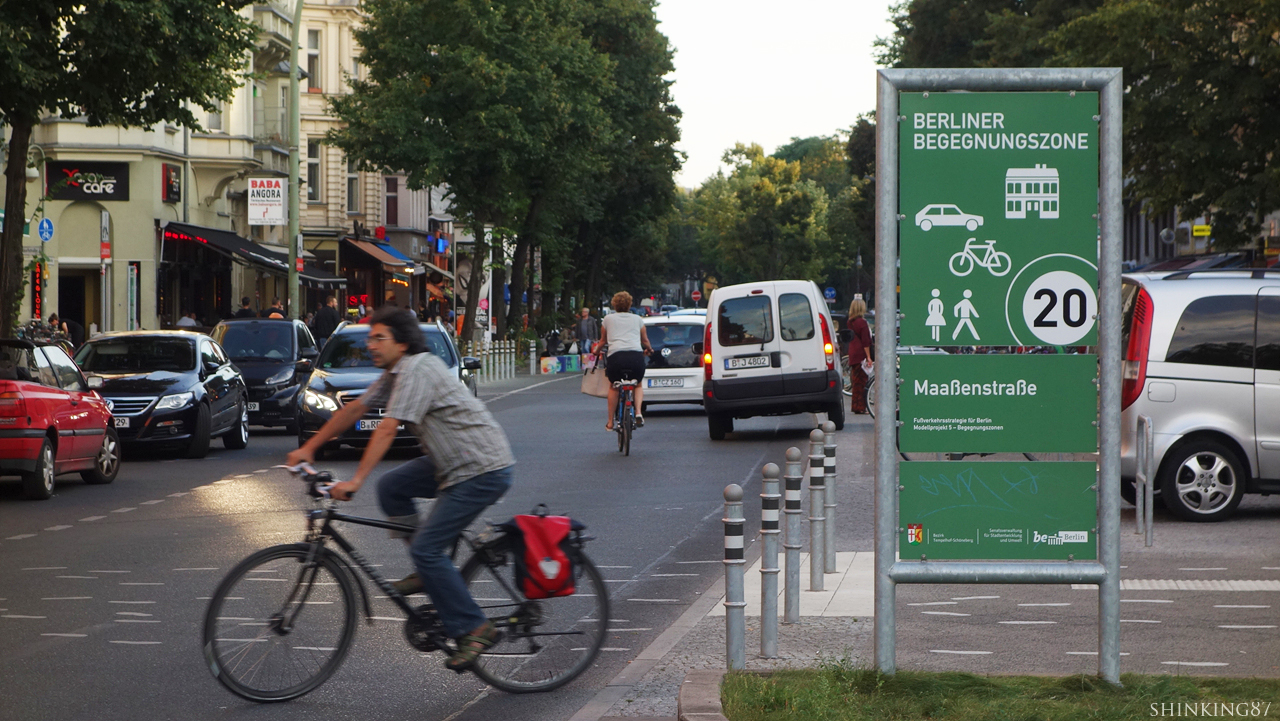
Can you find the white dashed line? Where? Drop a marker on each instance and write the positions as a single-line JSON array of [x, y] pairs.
[[322, 648], [244, 475], [92, 518], [613, 566], [177, 495], [1145, 600], [1271, 568], [376, 618], [1246, 627], [201, 488], [141, 583], [134, 620], [20, 536], [124, 510], [1091, 653], [961, 653], [628, 630], [57, 528], [151, 503], [1193, 663], [46, 568], [1229, 606], [136, 643], [1137, 620], [1044, 604], [686, 563], [655, 600], [935, 603], [605, 648], [1212, 568], [196, 569], [89, 577], [132, 603], [262, 470], [135, 613], [223, 482], [14, 615], [973, 598], [673, 575], [108, 571], [67, 598], [942, 613], [1027, 623], [67, 635], [618, 580]]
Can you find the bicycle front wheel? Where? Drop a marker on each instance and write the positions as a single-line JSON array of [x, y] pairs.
[[546, 642], [278, 627]]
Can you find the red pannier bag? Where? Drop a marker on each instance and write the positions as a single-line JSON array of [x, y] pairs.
[[544, 563]]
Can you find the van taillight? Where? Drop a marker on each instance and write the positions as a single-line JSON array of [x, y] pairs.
[[1135, 355], [706, 352], [12, 404], [827, 347]]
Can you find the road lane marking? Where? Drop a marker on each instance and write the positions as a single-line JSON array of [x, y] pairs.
[[136, 643], [141, 583], [67, 598], [244, 475], [972, 598], [686, 563], [223, 482], [201, 488], [67, 635], [1044, 604], [124, 510], [1212, 568], [134, 620], [151, 503], [1194, 663], [131, 603], [655, 600], [1165, 584], [1145, 600], [46, 568], [632, 630], [673, 575], [57, 528], [521, 390], [92, 518], [1223, 605], [385, 618], [943, 613], [20, 536], [961, 653], [1271, 568], [212, 568], [108, 571], [935, 603], [15, 615], [605, 648], [1246, 626], [1137, 620], [76, 577], [262, 470], [134, 613], [613, 566], [177, 495], [1027, 623], [1091, 653]]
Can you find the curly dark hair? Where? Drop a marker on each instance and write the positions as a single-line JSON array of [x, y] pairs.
[[403, 325]]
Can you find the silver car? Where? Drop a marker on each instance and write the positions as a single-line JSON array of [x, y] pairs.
[[1202, 360]]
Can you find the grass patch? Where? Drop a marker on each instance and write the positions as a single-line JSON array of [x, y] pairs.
[[839, 691]]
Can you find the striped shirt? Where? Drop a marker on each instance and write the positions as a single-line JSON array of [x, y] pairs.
[[451, 425]]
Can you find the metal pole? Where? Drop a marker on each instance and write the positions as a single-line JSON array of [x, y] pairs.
[[735, 603], [1110, 353], [295, 142], [886, 380], [769, 498], [1148, 442], [533, 357], [817, 521], [793, 541], [829, 473], [508, 360], [1140, 478]]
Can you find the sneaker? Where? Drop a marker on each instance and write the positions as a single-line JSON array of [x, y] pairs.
[[639, 421], [409, 585]]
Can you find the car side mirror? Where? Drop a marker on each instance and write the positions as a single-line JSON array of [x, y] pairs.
[[94, 382], [471, 364], [697, 348], [309, 353], [305, 365], [210, 368]]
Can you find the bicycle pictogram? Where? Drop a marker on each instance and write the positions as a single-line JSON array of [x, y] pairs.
[[963, 262]]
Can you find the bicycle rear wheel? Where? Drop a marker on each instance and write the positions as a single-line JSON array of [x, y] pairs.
[[628, 426], [276, 629], [546, 642]]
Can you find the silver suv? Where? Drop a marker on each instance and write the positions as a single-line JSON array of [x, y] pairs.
[[1202, 361]]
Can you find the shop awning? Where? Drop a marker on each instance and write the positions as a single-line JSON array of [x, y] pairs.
[[432, 266], [229, 244], [393, 261]]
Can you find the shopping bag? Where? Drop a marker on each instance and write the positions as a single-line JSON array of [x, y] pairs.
[[595, 383]]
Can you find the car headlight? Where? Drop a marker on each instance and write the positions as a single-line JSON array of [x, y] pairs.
[[319, 400], [283, 376], [177, 400]]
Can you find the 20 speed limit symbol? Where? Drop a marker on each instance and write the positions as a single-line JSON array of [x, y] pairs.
[[1053, 301]]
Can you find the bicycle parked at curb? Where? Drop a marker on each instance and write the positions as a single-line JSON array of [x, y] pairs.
[[624, 418], [283, 620]]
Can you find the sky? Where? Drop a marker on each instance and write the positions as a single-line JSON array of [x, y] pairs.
[[764, 71]]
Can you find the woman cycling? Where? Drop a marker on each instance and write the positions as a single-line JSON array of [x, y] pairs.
[[628, 343]]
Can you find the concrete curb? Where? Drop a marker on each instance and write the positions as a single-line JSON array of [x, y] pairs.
[[699, 698]]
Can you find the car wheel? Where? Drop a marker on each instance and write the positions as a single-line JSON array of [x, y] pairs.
[[237, 438], [107, 463], [1202, 481], [38, 484], [199, 446], [718, 425], [835, 414]]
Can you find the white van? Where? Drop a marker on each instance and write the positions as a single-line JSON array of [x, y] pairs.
[[768, 350]]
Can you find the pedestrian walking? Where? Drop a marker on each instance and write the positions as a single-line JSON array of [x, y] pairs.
[[245, 311], [859, 354], [965, 311], [326, 320], [587, 330]]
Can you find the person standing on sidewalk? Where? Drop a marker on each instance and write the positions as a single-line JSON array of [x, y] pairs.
[[859, 352], [586, 330], [467, 466]]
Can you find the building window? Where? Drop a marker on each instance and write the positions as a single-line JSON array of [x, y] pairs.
[[215, 116], [355, 69], [353, 187], [282, 121], [393, 202], [313, 59], [313, 171]]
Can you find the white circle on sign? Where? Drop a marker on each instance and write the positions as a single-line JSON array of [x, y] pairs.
[[1060, 307]]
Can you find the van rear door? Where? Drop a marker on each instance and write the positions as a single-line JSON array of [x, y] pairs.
[[804, 365], [747, 357]]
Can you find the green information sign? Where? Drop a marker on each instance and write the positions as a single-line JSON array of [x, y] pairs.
[[998, 511], [998, 403], [998, 237]]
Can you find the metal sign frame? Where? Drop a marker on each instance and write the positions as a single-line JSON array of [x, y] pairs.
[[1105, 572]]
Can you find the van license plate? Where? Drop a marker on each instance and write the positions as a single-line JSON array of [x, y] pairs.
[[372, 424], [666, 383], [253, 407], [121, 422], [755, 361]]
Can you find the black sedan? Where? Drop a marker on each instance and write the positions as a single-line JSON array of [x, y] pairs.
[[345, 370], [275, 356], [170, 388]]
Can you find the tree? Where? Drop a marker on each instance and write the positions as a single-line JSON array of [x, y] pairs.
[[1200, 129], [500, 100], [111, 62], [822, 160]]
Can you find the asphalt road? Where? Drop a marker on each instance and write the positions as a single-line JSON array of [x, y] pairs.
[[103, 588]]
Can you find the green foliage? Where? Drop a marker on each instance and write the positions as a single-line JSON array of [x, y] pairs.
[[1201, 103]]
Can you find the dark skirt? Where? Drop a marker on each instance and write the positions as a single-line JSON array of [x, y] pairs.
[[625, 365]]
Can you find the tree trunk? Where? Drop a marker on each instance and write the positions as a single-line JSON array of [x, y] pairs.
[[519, 258], [15, 215], [473, 286], [498, 306], [592, 291]]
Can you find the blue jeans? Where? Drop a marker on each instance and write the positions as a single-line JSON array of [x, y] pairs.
[[457, 506]]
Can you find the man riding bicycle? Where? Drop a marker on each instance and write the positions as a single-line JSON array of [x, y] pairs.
[[468, 466]]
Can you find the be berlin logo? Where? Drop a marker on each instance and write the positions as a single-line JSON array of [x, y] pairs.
[[1212, 709]]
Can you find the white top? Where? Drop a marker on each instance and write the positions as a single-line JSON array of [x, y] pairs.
[[623, 331], [186, 322]]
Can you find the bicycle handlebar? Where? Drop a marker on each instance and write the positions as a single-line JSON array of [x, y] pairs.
[[318, 482]]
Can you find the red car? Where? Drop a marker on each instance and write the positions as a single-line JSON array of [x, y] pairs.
[[51, 421]]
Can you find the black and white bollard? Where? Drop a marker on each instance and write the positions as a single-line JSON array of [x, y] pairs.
[[735, 601], [793, 541], [533, 357], [817, 506], [829, 472], [769, 502]]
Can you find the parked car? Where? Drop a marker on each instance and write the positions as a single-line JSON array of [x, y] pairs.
[[345, 370], [1202, 361], [169, 388], [769, 350], [674, 372], [51, 420], [275, 358]]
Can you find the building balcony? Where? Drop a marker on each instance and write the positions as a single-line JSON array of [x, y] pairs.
[[275, 24]]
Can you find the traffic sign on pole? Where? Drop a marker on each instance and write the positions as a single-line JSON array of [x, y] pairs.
[[696, 296], [45, 229]]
